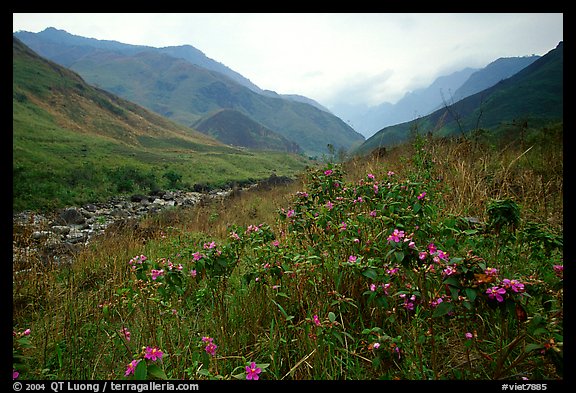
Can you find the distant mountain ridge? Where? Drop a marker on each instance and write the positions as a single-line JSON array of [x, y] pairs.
[[532, 95], [493, 73], [443, 91], [174, 87]]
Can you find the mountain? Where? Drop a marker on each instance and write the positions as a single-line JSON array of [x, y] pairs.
[[73, 143], [533, 95], [236, 129], [493, 73], [185, 92], [444, 90], [414, 104]]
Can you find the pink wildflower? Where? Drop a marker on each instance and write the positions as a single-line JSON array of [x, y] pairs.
[[252, 371], [210, 347], [156, 273], [352, 258], [153, 353], [131, 367], [395, 236], [490, 271], [496, 293], [316, 320], [328, 172], [124, 331]]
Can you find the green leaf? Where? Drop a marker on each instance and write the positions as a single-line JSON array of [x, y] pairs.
[[471, 294], [442, 309], [399, 256], [533, 347], [331, 316], [452, 281], [141, 371], [156, 372], [370, 273]]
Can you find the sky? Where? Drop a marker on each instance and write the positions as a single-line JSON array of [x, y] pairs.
[[355, 59]]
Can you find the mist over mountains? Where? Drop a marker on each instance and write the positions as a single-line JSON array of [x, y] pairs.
[[532, 97], [443, 91]]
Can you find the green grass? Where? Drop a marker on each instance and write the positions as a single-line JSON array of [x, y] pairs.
[[280, 281]]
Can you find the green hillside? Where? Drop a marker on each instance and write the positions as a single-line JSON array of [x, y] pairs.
[[73, 143], [184, 92], [237, 129], [534, 96]]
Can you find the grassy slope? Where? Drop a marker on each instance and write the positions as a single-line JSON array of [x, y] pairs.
[[71, 142], [75, 313]]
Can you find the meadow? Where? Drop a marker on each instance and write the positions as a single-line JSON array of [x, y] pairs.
[[440, 259]]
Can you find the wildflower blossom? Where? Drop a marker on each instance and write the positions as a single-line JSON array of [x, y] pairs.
[[490, 271], [469, 336], [156, 273], [234, 236], [328, 172], [153, 353], [373, 213], [197, 256], [343, 226], [252, 371], [376, 345], [558, 270], [422, 255], [289, 213], [329, 205], [395, 236], [316, 320], [352, 258], [514, 285], [124, 331], [131, 367], [208, 246], [450, 270], [193, 273], [373, 287], [371, 176], [210, 346], [496, 293], [421, 196], [391, 173], [15, 374], [375, 187]]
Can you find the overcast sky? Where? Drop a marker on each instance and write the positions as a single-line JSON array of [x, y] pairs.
[[334, 58]]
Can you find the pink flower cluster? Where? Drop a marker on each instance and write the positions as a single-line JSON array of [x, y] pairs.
[[137, 260], [210, 346], [497, 292]]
